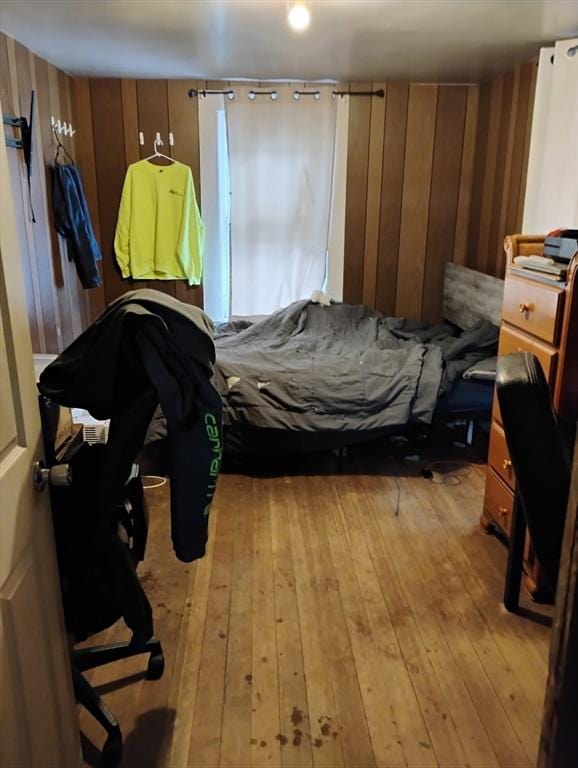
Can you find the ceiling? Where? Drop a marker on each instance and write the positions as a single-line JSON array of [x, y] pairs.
[[348, 40]]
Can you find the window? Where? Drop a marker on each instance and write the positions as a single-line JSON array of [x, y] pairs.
[[273, 169]]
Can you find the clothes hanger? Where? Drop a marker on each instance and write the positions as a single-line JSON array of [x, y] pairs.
[[156, 153], [60, 146]]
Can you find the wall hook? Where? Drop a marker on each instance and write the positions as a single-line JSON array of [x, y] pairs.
[[56, 125]]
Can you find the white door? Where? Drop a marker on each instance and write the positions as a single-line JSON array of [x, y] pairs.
[[38, 720]]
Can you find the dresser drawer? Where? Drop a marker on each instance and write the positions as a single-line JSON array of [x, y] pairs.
[[534, 307], [498, 501], [511, 340], [499, 456]]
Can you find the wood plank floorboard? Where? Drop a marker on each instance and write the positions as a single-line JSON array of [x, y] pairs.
[[349, 620]]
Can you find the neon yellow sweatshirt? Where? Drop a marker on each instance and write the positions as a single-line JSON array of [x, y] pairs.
[[159, 232]]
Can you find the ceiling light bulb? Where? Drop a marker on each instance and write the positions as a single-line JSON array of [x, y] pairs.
[[299, 17]]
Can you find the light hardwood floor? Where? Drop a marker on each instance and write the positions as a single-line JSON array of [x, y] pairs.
[[323, 630]]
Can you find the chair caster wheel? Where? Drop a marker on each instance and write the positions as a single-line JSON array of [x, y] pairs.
[[156, 667], [112, 751]]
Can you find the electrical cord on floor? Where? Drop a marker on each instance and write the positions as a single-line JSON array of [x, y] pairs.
[[446, 475]]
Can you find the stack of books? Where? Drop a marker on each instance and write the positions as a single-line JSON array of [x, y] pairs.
[[544, 265]]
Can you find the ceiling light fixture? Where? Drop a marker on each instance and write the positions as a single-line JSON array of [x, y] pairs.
[[298, 17]]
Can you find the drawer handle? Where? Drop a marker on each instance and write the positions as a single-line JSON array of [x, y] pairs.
[[502, 511], [507, 464], [526, 308]]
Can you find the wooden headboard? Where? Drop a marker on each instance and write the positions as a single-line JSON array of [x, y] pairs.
[[470, 296]]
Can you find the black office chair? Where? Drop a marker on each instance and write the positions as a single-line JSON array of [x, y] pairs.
[[90, 603], [541, 462]]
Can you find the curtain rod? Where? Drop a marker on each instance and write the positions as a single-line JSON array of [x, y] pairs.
[[211, 91], [380, 93], [230, 93]]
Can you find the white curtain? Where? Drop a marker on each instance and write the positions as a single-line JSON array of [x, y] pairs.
[[336, 244], [552, 183], [281, 156], [215, 206]]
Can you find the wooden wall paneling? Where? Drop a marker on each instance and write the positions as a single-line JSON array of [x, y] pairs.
[[133, 150], [48, 152], [153, 114], [78, 294], [485, 92], [48, 250], [153, 118], [184, 123], [106, 100], [59, 308], [501, 156], [415, 199], [60, 257], [356, 198], [397, 95], [491, 154], [375, 167], [509, 97], [445, 184], [86, 162], [10, 106], [42, 260], [513, 218], [533, 73], [73, 285], [466, 176], [38, 260], [84, 292], [130, 125], [20, 187], [508, 154]]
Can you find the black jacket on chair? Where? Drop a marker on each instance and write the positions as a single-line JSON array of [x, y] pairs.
[[97, 566], [147, 348]]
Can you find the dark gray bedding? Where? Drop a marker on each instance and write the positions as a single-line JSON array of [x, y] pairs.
[[315, 368]]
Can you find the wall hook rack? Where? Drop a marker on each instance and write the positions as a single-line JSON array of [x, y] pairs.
[[157, 141], [62, 128]]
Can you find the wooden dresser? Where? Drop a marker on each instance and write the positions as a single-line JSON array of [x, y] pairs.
[[539, 315]]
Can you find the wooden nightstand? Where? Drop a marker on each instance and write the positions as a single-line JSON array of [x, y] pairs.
[[539, 315]]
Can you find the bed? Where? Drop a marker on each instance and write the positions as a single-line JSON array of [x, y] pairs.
[[312, 377]]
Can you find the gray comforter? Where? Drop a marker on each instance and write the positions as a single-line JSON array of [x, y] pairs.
[[315, 368]]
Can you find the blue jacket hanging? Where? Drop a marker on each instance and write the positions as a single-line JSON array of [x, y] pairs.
[[72, 221]]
